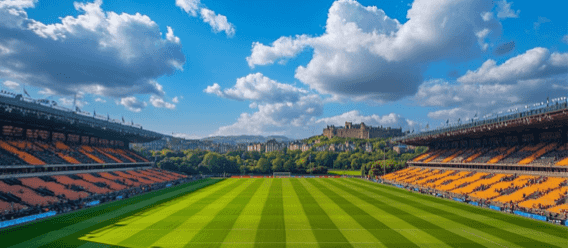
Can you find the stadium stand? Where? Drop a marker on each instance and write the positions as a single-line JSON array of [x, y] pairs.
[[22, 195]]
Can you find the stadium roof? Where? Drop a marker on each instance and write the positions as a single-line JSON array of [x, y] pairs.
[[553, 115], [42, 114]]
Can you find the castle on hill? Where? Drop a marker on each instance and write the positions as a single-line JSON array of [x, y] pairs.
[[361, 131]]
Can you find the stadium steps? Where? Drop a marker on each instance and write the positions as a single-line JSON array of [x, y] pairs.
[[116, 178], [121, 154], [435, 155], [539, 153], [449, 158], [27, 195], [133, 180], [475, 155], [142, 159], [423, 156], [435, 178], [502, 155], [91, 156], [468, 180], [442, 156], [89, 187], [146, 177], [130, 175], [559, 209], [547, 200], [466, 176], [7, 206], [56, 188], [92, 179], [28, 158], [448, 180], [491, 192], [522, 193], [108, 155]]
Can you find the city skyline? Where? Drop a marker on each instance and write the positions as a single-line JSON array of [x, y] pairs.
[[203, 68]]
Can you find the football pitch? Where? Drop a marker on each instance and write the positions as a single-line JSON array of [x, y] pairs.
[[285, 212]]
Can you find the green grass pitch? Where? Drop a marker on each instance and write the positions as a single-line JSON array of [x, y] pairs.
[[344, 172], [285, 212]]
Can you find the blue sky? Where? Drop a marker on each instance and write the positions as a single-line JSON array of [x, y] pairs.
[[200, 68]]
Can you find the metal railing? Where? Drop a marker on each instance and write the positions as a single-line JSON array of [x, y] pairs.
[[477, 123]]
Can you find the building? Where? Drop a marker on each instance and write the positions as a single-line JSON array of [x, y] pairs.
[[259, 147], [294, 146], [273, 145], [306, 147], [361, 131]]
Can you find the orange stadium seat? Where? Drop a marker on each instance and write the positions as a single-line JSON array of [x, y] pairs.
[[89, 187], [27, 195], [474, 185], [28, 158], [92, 179], [58, 189], [547, 200], [521, 194]]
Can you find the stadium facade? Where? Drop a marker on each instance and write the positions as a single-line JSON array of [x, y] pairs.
[[54, 159], [514, 162]]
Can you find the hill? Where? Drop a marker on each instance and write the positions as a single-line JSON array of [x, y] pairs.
[[245, 139]]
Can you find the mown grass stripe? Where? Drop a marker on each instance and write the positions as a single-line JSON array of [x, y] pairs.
[[154, 232], [244, 231], [131, 225], [298, 229], [215, 232], [271, 227], [183, 234], [68, 228], [382, 232], [477, 225], [436, 231], [323, 228]]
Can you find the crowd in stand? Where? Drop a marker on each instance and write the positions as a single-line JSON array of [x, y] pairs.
[[64, 206], [543, 186]]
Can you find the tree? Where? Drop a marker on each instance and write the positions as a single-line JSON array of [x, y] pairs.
[[289, 166], [263, 165], [278, 164]]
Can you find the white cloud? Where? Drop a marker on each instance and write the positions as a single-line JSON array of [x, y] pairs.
[[281, 48], [97, 52], [186, 136], [258, 87], [11, 85], [217, 22], [487, 16], [535, 63], [171, 37], [365, 55], [460, 100], [133, 104], [214, 89], [175, 100], [160, 103], [100, 100], [283, 118], [189, 6], [504, 10]]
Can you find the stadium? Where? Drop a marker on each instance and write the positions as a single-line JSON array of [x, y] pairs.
[[69, 179]]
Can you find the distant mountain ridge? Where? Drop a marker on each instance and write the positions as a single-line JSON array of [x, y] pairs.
[[246, 139]]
